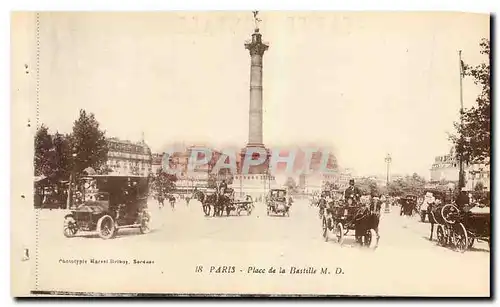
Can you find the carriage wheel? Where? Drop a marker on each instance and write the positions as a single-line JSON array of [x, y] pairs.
[[106, 227], [371, 239], [70, 227], [470, 242], [441, 239], [206, 210], [460, 238], [325, 230], [446, 211], [340, 233], [145, 220]]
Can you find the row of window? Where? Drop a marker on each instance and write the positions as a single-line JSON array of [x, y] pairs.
[[130, 148], [254, 177], [444, 158], [127, 164], [479, 175], [444, 165]]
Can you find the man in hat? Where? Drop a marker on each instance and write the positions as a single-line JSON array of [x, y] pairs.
[[352, 192], [223, 187]]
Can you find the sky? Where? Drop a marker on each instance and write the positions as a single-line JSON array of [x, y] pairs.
[[365, 84]]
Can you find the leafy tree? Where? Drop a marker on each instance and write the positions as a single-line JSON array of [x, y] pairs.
[[62, 156], [331, 186], [89, 146], [163, 182], [291, 184], [367, 186], [43, 147], [413, 184], [479, 187], [473, 136]]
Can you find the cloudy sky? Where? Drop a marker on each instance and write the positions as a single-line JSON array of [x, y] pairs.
[[364, 83]]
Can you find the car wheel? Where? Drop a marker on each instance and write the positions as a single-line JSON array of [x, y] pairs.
[[106, 227], [145, 220], [70, 228], [371, 239], [340, 233], [325, 230]]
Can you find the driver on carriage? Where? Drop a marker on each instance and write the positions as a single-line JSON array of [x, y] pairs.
[[352, 193], [223, 187]]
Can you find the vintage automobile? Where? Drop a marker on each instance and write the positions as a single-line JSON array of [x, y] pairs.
[[277, 202], [114, 202]]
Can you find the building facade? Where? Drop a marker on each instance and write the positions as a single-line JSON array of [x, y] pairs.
[[477, 174], [445, 168], [128, 158]]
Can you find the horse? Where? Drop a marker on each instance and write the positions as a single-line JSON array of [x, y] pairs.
[[435, 213], [365, 219], [206, 200]]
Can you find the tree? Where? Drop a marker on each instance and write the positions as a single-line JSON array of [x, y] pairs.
[[163, 182], [61, 156], [88, 143], [290, 184], [43, 147], [479, 187], [396, 187], [413, 184], [368, 186], [331, 186], [473, 135]]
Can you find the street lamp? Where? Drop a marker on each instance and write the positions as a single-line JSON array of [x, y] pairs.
[[388, 161], [70, 183]]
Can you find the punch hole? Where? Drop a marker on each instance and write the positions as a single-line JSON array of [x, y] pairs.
[[26, 254]]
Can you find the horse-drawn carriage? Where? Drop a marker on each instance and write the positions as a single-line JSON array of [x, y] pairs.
[[431, 198], [460, 228], [277, 202], [340, 218], [111, 203], [239, 205], [408, 204], [222, 201]]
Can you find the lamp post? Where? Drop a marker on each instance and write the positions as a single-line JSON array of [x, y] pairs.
[[71, 175], [388, 161]]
